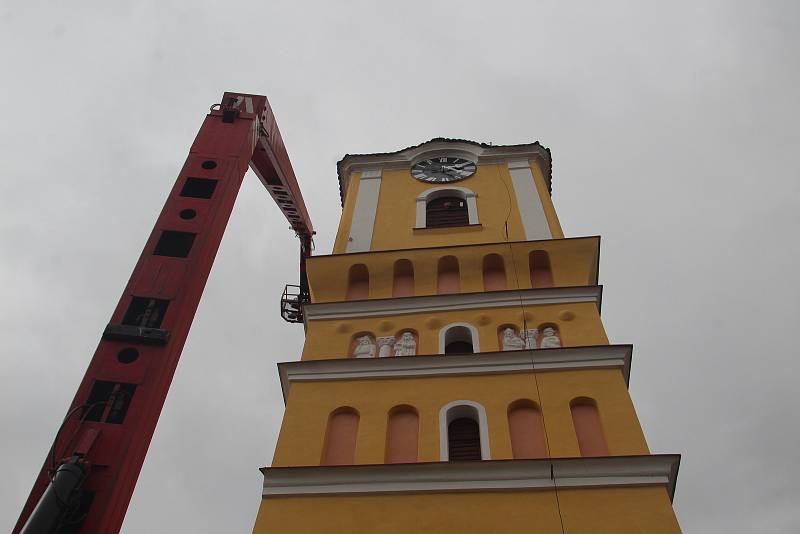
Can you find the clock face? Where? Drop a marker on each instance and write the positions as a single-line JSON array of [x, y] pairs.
[[443, 169]]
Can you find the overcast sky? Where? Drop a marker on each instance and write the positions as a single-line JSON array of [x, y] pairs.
[[674, 131]]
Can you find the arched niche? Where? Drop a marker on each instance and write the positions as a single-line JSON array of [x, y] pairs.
[[540, 271], [402, 435], [549, 336], [403, 279], [363, 345], [588, 427], [357, 282], [526, 426], [494, 273], [340, 437], [448, 279]]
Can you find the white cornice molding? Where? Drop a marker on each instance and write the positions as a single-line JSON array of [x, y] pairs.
[[461, 301], [552, 243], [481, 154], [517, 361], [478, 476]]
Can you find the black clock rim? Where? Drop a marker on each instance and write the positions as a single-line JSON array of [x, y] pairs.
[[416, 166]]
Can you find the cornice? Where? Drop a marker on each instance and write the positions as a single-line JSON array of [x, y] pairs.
[[483, 153], [488, 244], [478, 476], [460, 301], [517, 361]]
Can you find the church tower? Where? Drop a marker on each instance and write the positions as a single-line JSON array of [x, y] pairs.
[[456, 376]]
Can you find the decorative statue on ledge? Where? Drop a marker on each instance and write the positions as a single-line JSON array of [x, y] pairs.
[[385, 345], [550, 339], [406, 345], [365, 348], [531, 338], [511, 341]]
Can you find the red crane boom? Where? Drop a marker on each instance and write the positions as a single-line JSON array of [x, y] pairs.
[[88, 477]]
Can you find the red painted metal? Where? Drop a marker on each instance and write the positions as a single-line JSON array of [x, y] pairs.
[[241, 132]]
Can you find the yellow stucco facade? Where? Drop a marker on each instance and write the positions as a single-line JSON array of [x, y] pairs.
[[579, 324], [589, 511], [395, 221], [308, 405], [573, 262], [523, 302]]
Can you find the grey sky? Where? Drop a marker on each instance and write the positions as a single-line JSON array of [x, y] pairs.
[[673, 126]]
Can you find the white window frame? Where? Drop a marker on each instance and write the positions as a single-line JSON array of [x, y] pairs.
[[456, 410], [476, 345], [463, 193]]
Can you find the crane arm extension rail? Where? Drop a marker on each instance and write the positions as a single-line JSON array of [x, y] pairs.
[[125, 385]]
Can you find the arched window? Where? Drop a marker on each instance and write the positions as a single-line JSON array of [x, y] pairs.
[[446, 211], [402, 435], [458, 338], [464, 434], [446, 206], [449, 278], [588, 429], [403, 279], [541, 275], [358, 282], [340, 437], [494, 273], [526, 425]]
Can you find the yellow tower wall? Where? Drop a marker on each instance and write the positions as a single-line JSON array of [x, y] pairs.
[[579, 324], [609, 498], [395, 220], [573, 263], [310, 403], [641, 510]]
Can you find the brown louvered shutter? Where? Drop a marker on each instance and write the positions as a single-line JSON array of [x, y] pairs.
[[459, 347], [446, 211], [463, 440]]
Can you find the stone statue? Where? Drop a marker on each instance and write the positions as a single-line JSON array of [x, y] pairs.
[[531, 338], [550, 339], [365, 348], [385, 345], [406, 345], [511, 341]]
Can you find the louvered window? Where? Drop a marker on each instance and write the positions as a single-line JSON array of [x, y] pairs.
[[446, 211], [463, 439], [459, 347]]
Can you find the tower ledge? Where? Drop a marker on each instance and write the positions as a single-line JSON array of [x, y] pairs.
[[461, 301], [478, 476], [556, 359]]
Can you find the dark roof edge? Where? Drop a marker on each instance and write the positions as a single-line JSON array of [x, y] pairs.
[[547, 168]]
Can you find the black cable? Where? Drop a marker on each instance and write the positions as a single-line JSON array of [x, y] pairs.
[[533, 362], [89, 408], [508, 213], [58, 433]]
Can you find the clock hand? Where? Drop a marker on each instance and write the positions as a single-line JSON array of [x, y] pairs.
[[453, 169]]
